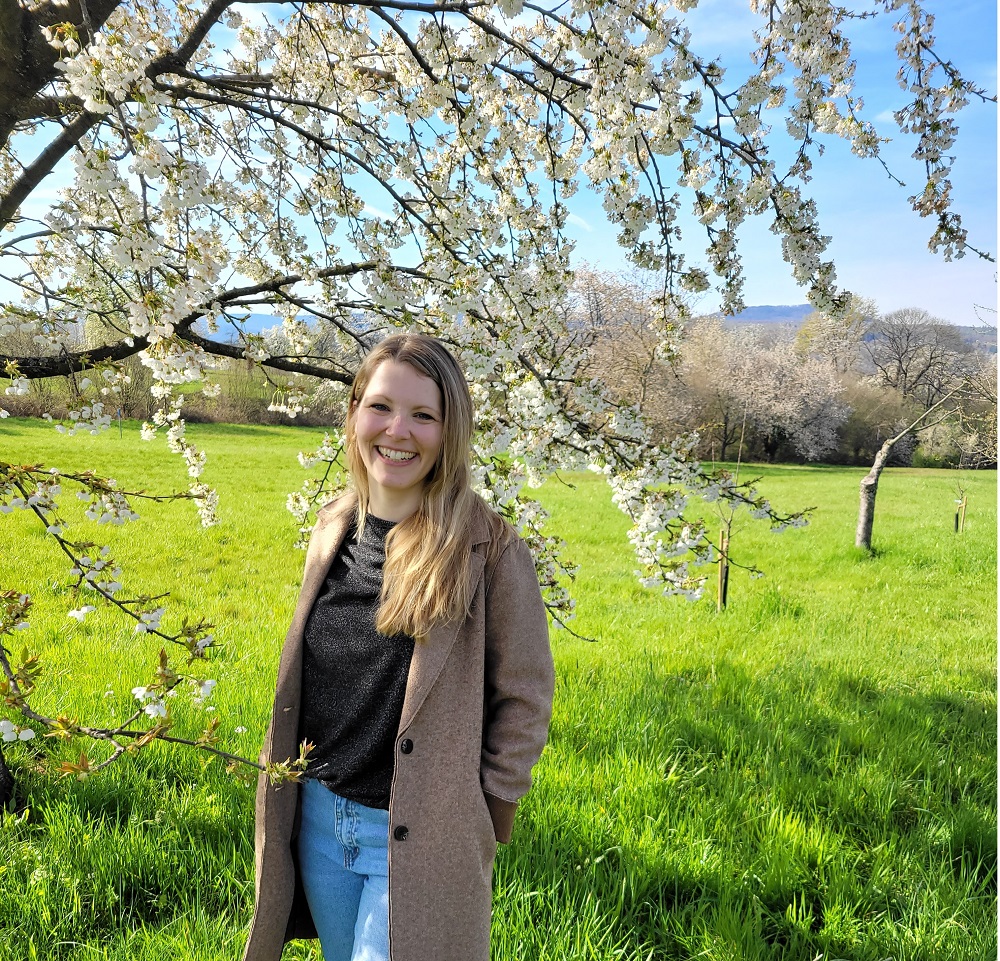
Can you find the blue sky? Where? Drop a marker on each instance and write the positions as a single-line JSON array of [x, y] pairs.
[[879, 245]]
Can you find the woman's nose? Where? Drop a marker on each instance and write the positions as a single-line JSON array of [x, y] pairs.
[[397, 426]]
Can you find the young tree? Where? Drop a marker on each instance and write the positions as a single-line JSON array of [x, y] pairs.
[[924, 360], [400, 164], [935, 414]]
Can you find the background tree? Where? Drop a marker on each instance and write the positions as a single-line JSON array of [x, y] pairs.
[[746, 391], [915, 354], [624, 337], [978, 414], [838, 338], [875, 414]]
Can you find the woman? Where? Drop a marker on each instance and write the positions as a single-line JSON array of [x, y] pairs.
[[424, 680]]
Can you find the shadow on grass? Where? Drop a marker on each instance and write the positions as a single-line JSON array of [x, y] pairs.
[[794, 816]]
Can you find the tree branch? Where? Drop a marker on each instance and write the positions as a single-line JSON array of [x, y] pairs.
[[236, 352], [43, 164], [71, 362], [27, 60]]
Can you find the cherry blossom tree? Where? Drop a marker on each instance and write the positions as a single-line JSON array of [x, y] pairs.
[[839, 338], [749, 388], [357, 168]]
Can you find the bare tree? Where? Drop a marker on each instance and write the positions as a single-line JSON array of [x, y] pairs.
[[916, 354], [977, 415], [629, 334]]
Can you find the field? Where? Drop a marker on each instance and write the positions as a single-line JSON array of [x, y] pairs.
[[809, 775]]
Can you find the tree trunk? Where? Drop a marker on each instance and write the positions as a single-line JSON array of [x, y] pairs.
[[869, 484], [869, 488], [6, 784]]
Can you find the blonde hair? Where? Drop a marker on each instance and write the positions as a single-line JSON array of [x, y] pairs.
[[425, 580]]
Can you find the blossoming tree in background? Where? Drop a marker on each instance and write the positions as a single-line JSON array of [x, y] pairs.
[[358, 168]]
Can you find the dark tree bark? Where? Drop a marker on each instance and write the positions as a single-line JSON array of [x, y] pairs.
[[6, 783], [28, 64], [28, 61]]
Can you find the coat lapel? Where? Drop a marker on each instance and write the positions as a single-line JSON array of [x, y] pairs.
[[323, 546]]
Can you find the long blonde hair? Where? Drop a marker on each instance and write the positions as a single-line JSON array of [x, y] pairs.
[[425, 580]]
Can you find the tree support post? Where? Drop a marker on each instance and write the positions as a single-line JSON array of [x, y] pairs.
[[723, 571], [960, 515]]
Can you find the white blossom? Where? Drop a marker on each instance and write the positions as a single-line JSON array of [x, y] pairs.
[[11, 732]]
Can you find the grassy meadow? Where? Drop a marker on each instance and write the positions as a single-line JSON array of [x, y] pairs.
[[809, 775]]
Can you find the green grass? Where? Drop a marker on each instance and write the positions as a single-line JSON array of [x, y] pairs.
[[811, 774]]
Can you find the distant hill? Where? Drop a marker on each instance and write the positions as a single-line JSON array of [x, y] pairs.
[[784, 314], [981, 338], [792, 314], [254, 324], [789, 315]]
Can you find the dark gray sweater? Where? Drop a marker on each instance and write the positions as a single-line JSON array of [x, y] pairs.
[[353, 677]]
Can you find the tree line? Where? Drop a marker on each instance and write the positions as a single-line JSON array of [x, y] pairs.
[[832, 391]]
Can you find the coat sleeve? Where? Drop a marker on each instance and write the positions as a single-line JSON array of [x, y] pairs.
[[519, 683]]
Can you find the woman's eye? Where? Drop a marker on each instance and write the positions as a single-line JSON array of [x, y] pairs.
[[422, 416], [378, 406]]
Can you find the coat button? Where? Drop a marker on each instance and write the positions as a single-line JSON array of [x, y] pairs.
[[401, 833], [406, 746]]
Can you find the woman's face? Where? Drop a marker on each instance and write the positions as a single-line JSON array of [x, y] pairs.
[[398, 425]]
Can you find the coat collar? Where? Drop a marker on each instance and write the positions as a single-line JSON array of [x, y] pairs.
[[429, 652]]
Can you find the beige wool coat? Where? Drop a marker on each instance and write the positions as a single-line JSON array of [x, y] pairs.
[[475, 719]]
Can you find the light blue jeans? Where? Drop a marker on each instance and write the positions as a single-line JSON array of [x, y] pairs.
[[344, 862]]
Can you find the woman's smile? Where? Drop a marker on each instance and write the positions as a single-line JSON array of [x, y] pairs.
[[396, 455]]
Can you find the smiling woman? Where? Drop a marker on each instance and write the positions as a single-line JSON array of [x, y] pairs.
[[418, 668]]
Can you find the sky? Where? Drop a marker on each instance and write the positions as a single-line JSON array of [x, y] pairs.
[[879, 244]]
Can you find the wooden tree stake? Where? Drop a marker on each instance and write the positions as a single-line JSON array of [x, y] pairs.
[[723, 571]]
